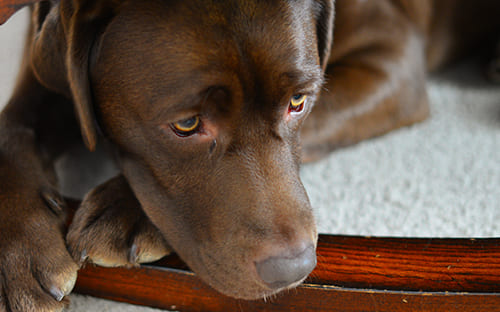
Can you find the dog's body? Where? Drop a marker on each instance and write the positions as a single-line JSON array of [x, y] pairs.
[[202, 103]]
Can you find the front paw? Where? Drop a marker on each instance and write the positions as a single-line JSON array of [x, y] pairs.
[[36, 270], [110, 229]]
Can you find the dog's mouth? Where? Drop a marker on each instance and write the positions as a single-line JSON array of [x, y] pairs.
[[245, 255], [248, 280], [245, 244]]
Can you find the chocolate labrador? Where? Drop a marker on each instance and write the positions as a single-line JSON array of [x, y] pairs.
[[203, 104]]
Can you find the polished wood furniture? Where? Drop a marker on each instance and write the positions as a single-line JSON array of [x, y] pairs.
[[354, 274], [9, 7]]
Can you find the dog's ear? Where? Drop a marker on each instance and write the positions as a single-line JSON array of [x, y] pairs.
[[84, 21], [64, 42], [9, 7], [324, 29]]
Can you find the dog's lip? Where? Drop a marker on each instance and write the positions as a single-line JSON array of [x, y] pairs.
[[270, 292], [260, 288]]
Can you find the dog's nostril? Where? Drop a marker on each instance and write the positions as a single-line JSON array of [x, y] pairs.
[[279, 272]]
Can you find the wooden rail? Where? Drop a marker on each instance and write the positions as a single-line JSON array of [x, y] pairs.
[[9, 7], [353, 274]]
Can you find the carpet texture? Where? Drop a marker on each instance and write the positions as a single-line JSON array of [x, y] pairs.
[[439, 178]]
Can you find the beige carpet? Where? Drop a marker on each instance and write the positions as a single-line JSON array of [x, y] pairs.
[[438, 178]]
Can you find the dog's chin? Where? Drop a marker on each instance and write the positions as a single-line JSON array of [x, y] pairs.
[[277, 292], [236, 280], [265, 294]]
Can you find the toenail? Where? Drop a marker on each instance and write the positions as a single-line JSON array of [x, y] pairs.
[[84, 256], [133, 253], [56, 293], [53, 200]]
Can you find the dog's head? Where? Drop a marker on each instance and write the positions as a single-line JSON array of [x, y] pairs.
[[204, 101]]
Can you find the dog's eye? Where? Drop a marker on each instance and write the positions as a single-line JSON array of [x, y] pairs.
[[297, 103], [187, 126]]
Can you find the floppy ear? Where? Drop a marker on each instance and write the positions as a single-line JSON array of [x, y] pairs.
[[324, 29], [83, 21], [62, 49], [9, 7]]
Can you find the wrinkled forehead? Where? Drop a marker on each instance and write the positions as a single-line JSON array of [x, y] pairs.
[[167, 54], [185, 36]]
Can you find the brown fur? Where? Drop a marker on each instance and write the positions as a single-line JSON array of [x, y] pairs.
[[229, 196]]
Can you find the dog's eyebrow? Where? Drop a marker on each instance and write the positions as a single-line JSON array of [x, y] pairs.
[[183, 106], [190, 100], [303, 79]]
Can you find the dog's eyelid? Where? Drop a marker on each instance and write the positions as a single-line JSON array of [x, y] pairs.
[[309, 91], [188, 126], [183, 116], [305, 81], [198, 105]]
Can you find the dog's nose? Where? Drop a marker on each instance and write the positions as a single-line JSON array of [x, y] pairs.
[[281, 271]]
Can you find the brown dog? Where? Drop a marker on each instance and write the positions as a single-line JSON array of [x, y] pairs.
[[202, 103]]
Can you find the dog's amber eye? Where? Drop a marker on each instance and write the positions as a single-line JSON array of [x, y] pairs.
[[187, 126], [297, 103]]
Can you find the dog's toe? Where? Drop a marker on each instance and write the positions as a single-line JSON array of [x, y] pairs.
[[148, 245], [58, 281], [38, 284], [110, 229], [28, 295], [36, 270]]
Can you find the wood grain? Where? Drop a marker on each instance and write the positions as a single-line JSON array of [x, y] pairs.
[[353, 274]]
